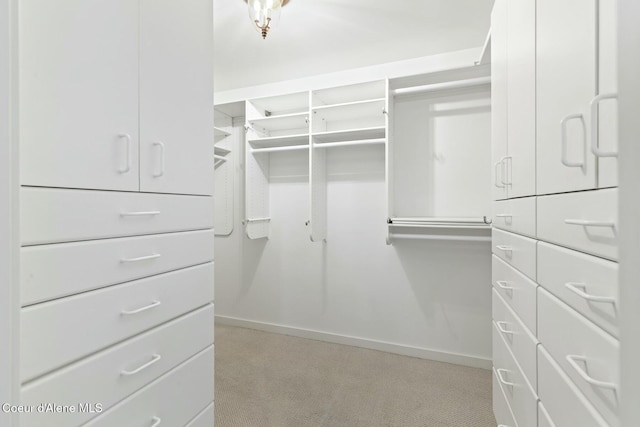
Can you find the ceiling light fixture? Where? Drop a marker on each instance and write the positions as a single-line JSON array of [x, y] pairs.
[[264, 14]]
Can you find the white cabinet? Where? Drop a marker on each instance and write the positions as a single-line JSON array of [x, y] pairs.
[[79, 93], [513, 29], [122, 99], [576, 57], [176, 97]]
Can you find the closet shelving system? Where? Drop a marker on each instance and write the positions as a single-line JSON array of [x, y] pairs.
[[221, 131]]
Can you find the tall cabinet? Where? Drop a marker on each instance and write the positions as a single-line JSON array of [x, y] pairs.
[[555, 237], [117, 162]]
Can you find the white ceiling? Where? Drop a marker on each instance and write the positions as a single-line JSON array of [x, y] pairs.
[[322, 36]]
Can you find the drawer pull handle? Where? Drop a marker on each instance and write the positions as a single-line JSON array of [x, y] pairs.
[[595, 137], [161, 171], [154, 360], [580, 290], [141, 213], [563, 140], [141, 258], [141, 309], [127, 139], [156, 421], [573, 361], [495, 176], [502, 327], [586, 223], [501, 373], [504, 285], [505, 248]]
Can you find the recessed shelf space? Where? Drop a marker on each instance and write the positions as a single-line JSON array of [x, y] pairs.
[[275, 106], [279, 141], [286, 125], [219, 132], [351, 135], [350, 94], [349, 116]]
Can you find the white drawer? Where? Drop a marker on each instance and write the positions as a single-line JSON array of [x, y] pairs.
[[544, 420], [586, 283], [588, 355], [523, 401], [586, 221], [517, 290], [50, 215], [54, 271], [517, 337], [501, 409], [172, 400], [562, 400], [110, 376], [515, 250], [206, 418], [61, 331], [516, 215]]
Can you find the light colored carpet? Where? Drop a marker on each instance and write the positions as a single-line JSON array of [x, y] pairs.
[[272, 380]]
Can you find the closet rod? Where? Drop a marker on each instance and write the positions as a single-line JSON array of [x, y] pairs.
[[457, 84], [433, 220], [347, 143], [443, 225], [443, 237], [287, 148], [257, 220]]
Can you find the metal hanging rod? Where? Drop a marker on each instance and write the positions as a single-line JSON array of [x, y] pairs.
[[248, 220], [430, 222], [348, 143], [457, 84]]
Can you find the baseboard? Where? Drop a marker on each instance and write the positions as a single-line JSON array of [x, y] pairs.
[[422, 353]]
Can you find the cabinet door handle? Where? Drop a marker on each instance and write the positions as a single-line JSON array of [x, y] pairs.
[[141, 258], [506, 160], [127, 140], [161, 171], [595, 117], [505, 248], [587, 223], [154, 359], [580, 290], [563, 140], [573, 362], [501, 373], [141, 309], [495, 178], [502, 327], [156, 421], [140, 213], [504, 285]]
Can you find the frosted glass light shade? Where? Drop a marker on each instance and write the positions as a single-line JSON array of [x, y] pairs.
[[264, 14]]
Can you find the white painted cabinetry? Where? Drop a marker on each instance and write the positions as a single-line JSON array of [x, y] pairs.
[[117, 286]]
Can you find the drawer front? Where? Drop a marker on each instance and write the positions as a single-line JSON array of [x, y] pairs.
[[49, 215], [544, 420], [501, 409], [585, 221], [562, 400], [54, 271], [205, 418], [588, 284], [59, 332], [172, 400], [516, 215], [517, 337], [584, 351], [517, 290], [112, 375], [515, 250], [523, 401]]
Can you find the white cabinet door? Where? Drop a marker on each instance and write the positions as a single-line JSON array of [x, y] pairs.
[[521, 71], [566, 84], [176, 96], [79, 94], [606, 144], [499, 98]]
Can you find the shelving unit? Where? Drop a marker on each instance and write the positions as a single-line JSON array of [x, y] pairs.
[[224, 173]]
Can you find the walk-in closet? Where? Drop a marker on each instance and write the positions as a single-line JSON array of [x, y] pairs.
[[294, 213]]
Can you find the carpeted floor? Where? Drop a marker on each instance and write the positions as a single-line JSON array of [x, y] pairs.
[[272, 380]]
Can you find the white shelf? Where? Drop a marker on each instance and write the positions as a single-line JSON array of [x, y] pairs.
[[219, 132], [350, 135], [351, 111], [280, 141], [349, 94], [347, 104], [276, 149], [289, 122], [279, 105], [221, 151]]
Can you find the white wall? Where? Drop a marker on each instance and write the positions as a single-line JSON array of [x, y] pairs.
[[421, 298], [629, 107], [8, 210]]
